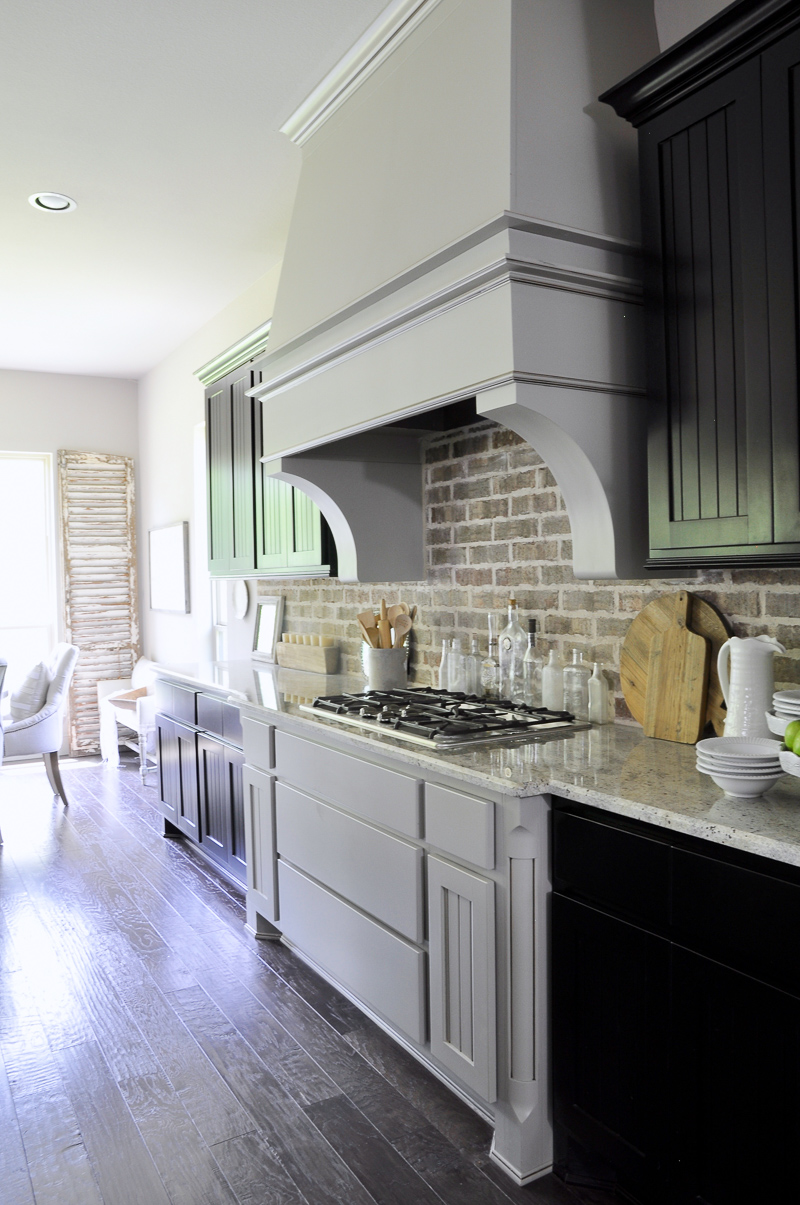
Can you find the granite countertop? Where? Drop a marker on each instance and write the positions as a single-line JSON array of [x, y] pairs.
[[613, 767]]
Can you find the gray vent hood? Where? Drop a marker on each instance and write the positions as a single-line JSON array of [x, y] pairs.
[[465, 226]]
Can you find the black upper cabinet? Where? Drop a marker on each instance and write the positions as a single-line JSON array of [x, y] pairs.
[[256, 524], [718, 158]]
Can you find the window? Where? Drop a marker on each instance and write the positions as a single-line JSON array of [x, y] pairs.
[[28, 595]]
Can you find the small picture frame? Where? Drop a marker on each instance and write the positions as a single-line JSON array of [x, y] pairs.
[[269, 619]]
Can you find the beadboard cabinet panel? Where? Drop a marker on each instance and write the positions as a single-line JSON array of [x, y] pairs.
[[708, 364], [718, 138]]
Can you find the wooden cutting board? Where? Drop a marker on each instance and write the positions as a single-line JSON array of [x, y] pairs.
[[634, 660], [677, 680]]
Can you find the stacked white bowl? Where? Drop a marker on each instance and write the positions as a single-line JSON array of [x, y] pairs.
[[786, 704], [744, 767]]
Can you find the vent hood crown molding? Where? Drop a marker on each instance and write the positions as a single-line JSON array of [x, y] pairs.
[[381, 39]]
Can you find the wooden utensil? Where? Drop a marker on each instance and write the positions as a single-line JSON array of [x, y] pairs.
[[395, 610], [370, 634], [367, 618], [634, 662], [402, 626], [384, 627], [677, 680]]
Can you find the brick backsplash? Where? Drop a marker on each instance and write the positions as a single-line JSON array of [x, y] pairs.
[[495, 521]]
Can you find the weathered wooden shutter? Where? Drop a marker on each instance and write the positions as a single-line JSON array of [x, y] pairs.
[[98, 545]]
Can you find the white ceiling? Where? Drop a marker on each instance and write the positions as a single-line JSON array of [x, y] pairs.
[[161, 119]]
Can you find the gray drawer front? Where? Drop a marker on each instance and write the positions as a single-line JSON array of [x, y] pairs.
[[259, 744], [384, 796], [176, 701], [460, 825], [378, 872], [384, 971], [217, 716]]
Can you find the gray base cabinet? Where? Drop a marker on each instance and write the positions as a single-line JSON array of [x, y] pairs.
[[399, 890]]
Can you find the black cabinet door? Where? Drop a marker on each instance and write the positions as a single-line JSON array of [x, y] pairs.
[[222, 804], [231, 459], [708, 341], [610, 1010], [177, 769], [781, 101], [736, 1069], [169, 768]]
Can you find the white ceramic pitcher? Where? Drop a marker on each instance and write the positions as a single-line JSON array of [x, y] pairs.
[[749, 687]]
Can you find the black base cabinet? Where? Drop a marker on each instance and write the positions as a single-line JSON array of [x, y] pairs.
[[200, 775], [676, 1014]]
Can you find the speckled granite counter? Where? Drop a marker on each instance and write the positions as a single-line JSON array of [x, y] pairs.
[[615, 767]]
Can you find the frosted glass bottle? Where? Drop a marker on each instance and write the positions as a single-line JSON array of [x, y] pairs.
[[532, 669], [442, 680], [553, 683], [490, 673], [576, 686], [601, 710], [513, 645], [473, 669], [455, 666]]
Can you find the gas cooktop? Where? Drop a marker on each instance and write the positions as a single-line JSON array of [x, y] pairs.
[[441, 719]]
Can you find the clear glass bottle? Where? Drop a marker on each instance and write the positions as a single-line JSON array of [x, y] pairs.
[[532, 669], [442, 680], [513, 646], [553, 683], [576, 686], [601, 710], [455, 666], [490, 672], [473, 668]]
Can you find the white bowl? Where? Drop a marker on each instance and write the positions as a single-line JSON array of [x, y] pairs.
[[778, 724], [746, 763], [770, 773], [790, 698], [790, 762], [728, 767], [744, 788], [739, 746]]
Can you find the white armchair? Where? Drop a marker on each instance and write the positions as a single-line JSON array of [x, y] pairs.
[[43, 732]]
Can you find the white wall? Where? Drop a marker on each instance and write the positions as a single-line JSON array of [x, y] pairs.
[[677, 18], [45, 411], [170, 411]]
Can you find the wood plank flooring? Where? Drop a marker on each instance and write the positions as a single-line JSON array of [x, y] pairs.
[[152, 1052]]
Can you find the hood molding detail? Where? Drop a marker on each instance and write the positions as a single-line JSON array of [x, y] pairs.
[[383, 37]]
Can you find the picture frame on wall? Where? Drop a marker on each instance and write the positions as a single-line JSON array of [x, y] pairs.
[[269, 619], [169, 568]]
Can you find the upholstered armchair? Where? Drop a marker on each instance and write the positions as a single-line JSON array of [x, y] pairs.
[[42, 731]]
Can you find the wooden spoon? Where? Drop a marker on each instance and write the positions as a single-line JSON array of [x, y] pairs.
[[384, 627], [370, 634], [395, 610], [402, 626]]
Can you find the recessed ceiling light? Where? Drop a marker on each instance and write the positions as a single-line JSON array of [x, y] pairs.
[[53, 202]]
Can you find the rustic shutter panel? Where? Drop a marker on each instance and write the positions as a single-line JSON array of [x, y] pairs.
[[98, 545]]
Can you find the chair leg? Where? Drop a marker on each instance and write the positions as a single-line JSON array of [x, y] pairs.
[[54, 776]]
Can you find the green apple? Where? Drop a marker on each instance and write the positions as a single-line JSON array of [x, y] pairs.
[[795, 746], [791, 734]]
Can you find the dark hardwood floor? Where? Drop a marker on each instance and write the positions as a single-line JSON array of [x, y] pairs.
[[151, 1051]]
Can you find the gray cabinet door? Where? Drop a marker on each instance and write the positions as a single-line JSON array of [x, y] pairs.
[[462, 975], [259, 832]]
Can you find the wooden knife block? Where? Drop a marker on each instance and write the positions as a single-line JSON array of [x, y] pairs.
[[310, 657]]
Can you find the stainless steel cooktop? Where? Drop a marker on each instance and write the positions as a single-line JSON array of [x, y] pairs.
[[441, 719]]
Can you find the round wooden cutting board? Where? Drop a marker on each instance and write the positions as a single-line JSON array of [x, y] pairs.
[[704, 619]]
